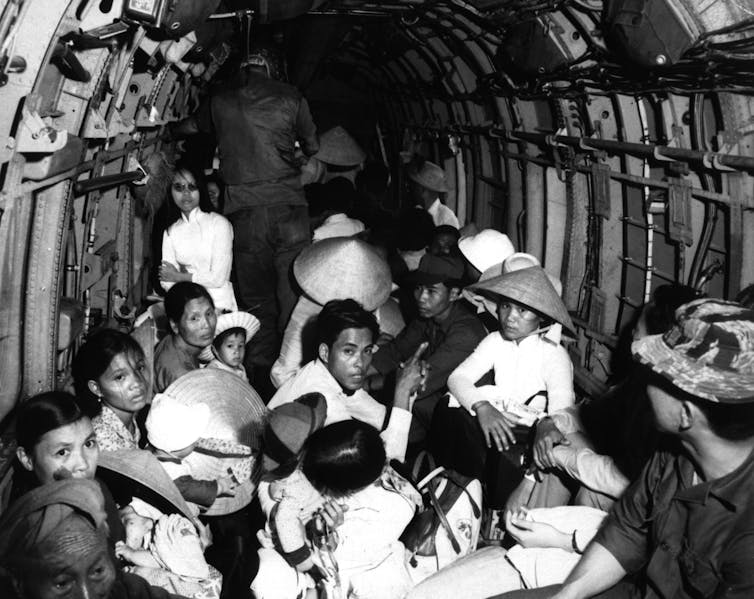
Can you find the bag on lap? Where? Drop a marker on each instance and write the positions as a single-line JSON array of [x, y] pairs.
[[448, 526]]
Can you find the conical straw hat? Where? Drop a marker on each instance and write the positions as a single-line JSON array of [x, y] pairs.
[[140, 466], [236, 414], [529, 287], [337, 147], [343, 268]]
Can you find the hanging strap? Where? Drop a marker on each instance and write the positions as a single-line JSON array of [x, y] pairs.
[[443, 520], [425, 486]]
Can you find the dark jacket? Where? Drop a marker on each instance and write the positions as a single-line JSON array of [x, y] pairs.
[[450, 343], [257, 125]]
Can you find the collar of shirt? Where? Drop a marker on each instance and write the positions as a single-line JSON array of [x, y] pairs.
[[457, 312], [526, 342], [435, 207], [195, 216], [732, 490], [110, 419], [319, 373]]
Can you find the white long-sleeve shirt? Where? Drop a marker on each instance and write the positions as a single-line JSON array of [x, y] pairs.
[[315, 378], [598, 472], [524, 369], [202, 245], [292, 358]]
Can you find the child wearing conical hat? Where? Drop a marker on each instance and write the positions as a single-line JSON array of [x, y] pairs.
[[232, 332], [174, 430]]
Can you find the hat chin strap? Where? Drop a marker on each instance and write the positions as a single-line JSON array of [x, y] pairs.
[[536, 332]]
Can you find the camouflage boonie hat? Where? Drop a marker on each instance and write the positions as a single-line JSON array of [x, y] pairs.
[[708, 353]]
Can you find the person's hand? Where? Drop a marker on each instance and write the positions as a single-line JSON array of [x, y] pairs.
[[411, 379], [226, 487], [547, 437], [333, 513], [528, 533], [169, 273], [123, 551], [497, 428]]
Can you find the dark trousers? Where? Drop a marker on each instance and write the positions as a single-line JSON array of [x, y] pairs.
[[457, 442], [266, 239], [234, 549]]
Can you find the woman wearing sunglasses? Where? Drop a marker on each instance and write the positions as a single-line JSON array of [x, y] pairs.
[[197, 246]]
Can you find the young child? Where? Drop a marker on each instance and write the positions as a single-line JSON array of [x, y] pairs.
[[445, 241], [232, 332], [174, 430], [341, 465], [167, 551], [287, 497]]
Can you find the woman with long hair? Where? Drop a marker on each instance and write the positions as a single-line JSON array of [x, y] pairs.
[[197, 245]]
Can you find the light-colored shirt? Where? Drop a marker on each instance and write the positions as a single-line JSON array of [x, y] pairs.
[[337, 225], [442, 215], [112, 434], [202, 245], [533, 367], [315, 378], [593, 470], [293, 354], [220, 365]]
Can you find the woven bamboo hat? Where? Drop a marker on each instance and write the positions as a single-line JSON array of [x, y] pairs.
[[530, 287], [431, 176], [124, 467], [337, 147], [343, 268], [237, 414], [232, 320]]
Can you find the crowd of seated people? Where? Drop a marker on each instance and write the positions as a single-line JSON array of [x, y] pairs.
[[175, 470]]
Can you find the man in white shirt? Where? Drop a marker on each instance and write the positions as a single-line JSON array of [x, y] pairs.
[[346, 333], [428, 183]]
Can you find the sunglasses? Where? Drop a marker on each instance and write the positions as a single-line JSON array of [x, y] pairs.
[[181, 187]]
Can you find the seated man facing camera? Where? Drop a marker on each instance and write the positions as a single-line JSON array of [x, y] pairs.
[[346, 335], [685, 528], [448, 327]]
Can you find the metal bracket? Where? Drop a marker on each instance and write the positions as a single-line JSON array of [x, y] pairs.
[[119, 125], [7, 150], [679, 211], [600, 176], [97, 265], [93, 16], [95, 126], [134, 165], [148, 117], [36, 136], [712, 159], [597, 301]]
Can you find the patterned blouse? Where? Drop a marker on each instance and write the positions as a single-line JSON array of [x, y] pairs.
[[112, 433]]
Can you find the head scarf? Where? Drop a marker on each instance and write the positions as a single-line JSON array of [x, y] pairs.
[[38, 515]]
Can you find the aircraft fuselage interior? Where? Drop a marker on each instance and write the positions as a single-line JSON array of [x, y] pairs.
[[611, 139]]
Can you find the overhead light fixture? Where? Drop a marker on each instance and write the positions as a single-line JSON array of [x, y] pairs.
[[145, 11]]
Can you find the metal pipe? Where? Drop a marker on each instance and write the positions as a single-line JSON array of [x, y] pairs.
[[713, 160], [105, 181]]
